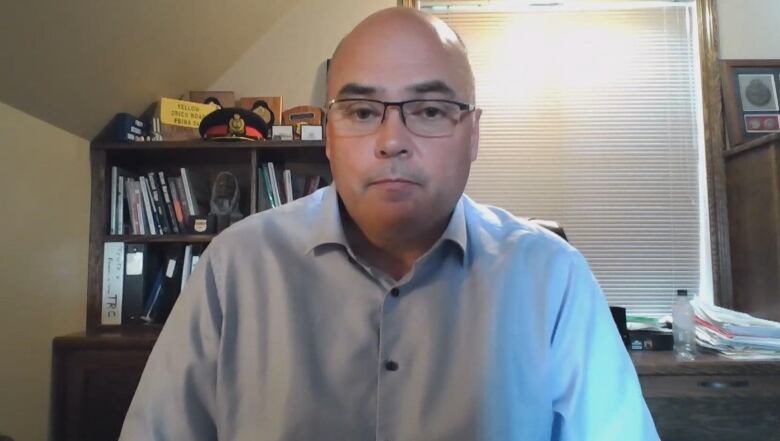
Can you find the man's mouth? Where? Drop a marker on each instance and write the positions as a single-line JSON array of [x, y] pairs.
[[393, 181]]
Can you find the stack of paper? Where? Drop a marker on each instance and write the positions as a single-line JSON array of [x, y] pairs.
[[735, 334]]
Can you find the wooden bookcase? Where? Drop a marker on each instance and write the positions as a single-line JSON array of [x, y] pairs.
[[95, 372], [207, 158]]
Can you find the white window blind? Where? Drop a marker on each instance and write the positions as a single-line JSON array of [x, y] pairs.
[[592, 119]]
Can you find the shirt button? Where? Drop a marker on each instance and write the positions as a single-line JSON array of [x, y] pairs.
[[390, 365], [395, 292]]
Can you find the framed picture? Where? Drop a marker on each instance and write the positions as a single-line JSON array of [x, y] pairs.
[[750, 98]]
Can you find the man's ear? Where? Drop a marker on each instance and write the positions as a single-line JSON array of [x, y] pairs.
[[327, 139], [474, 141]]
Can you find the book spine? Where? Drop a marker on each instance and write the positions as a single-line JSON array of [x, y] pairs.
[[131, 206], [139, 206], [288, 191], [114, 179], [113, 280], [312, 182], [159, 204], [120, 205], [148, 208], [274, 183], [188, 192], [185, 208], [177, 209], [185, 270], [168, 202], [269, 194]]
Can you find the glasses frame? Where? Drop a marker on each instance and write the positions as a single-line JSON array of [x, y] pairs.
[[463, 107]]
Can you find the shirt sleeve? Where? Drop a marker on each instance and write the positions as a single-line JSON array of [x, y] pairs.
[[176, 398], [597, 396]]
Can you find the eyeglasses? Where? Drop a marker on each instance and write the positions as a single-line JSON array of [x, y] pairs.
[[427, 118]]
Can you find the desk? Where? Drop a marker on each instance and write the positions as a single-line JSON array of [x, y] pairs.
[[710, 399]]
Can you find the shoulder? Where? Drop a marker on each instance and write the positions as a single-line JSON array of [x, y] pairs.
[[289, 226], [494, 227]]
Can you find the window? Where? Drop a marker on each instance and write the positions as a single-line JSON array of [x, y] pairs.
[[592, 118]]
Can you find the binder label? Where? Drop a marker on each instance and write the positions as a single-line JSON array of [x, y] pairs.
[[134, 266], [113, 279]]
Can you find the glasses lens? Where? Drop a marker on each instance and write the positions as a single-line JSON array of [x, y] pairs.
[[355, 117], [431, 117]]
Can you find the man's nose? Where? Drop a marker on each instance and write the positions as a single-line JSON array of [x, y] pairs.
[[393, 138]]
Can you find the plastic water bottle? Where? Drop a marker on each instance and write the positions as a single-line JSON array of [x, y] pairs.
[[683, 327]]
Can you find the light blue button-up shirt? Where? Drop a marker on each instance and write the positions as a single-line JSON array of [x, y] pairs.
[[500, 332]]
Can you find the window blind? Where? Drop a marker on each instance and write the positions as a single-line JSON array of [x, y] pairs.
[[592, 119]]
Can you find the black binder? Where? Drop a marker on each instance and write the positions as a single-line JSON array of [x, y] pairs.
[[139, 269]]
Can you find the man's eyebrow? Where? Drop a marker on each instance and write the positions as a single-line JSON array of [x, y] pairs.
[[433, 86], [357, 89]]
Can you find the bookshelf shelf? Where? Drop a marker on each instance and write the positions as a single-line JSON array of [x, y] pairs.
[[204, 144], [167, 238]]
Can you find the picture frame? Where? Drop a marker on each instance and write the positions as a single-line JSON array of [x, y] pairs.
[[751, 99]]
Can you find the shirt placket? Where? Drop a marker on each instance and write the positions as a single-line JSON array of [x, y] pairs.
[[390, 368]]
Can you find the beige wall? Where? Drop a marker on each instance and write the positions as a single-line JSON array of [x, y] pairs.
[[44, 177], [289, 59], [749, 29]]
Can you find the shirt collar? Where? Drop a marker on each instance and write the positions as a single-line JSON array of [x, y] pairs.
[[325, 225], [327, 228]]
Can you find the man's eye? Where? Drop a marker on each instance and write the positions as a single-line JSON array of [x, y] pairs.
[[430, 112], [363, 113]]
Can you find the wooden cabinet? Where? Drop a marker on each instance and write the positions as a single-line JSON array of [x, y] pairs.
[[95, 377], [710, 399], [753, 190]]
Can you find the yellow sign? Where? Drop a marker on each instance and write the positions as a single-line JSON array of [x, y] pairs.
[[183, 113]]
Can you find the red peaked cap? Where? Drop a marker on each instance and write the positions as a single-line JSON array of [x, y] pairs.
[[233, 123]]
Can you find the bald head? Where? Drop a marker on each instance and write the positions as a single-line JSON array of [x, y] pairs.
[[397, 35]]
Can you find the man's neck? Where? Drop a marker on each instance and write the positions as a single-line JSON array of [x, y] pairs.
[[393, 251]]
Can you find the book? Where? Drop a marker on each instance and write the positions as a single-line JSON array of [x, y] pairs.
[[177, 208], [197, 192], [137, 281], [268, 194], [197, 250], [114, 178], [130, 197], [151, 218], [139, 207], [118, 176], [187, 266], [312, 184], [272, 178], [120, 205], [182, 199], [288, 187], [298, 184], [113, 279], [159, 203], [168, 202]]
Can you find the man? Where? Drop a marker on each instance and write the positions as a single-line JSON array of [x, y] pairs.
[[390, 306]]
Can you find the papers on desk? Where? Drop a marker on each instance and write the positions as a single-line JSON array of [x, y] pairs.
[[735, 334]]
